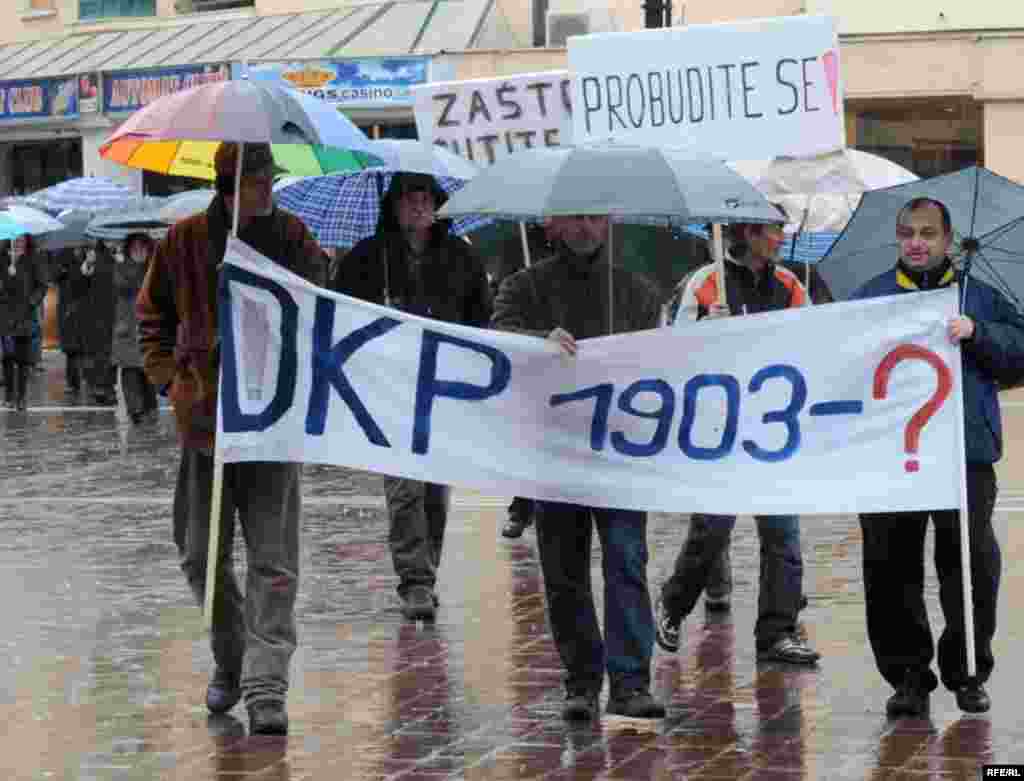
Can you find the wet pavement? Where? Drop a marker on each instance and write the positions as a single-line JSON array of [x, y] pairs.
[[104, 661]]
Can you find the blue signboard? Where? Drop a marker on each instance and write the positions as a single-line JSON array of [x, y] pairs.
[[131, 90], [368, 82], [39, 99]]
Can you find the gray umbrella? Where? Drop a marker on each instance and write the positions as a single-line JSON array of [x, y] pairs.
[[145, 218], [629, 183], [986, 210], [72, 235]]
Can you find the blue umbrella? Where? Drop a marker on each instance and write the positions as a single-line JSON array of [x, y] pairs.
[[86, 193], [23, 220]]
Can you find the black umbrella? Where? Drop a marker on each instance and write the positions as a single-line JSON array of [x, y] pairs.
[[987, 212]]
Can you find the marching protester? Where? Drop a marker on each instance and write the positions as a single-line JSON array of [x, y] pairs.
[[990, 332], [72, 314], [753, 283], [98, 324], [22, 288], [414, 264], [139, 395], [565, 298], [253, 636]]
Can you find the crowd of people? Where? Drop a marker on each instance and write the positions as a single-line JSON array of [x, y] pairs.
[[96, 284], [414, 264]]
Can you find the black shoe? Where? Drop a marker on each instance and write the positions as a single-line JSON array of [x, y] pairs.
[[972, 698], [224, 691], [666, 628], [580, 706], [718, 603], [418, 604], [789, 649], [803, 603], [636, 704], [515, 526], [268, 718], [910, 699]]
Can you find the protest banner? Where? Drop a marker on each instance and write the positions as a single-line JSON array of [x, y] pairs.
[[487, 119], [739, 415], [751, 90]]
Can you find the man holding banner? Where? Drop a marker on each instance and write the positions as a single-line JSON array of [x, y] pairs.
[[414, 264], [991, 336], [564, 298], [753, 283], [253, 636]]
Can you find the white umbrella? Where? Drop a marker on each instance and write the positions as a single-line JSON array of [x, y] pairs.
[[184, 205], [821, 193], [422, 158]]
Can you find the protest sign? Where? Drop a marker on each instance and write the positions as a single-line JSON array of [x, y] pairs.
[[850, 407], [752, 90], [486, 119]]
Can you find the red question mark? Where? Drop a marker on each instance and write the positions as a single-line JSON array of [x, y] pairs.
[[906, 352]]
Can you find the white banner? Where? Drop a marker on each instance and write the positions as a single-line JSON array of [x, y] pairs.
[[487, 119], [849, 407], [751, 90]]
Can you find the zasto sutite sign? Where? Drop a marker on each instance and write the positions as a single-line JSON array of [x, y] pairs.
[[484, 120], [753, 90]]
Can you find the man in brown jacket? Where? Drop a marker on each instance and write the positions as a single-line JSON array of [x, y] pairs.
[[253, 637], [565, 298]]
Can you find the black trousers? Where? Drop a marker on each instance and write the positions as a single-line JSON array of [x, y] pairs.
[[139, 395], [897, 619]]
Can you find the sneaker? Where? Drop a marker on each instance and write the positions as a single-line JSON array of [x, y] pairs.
[[224, 691], [790, 650], [910, 699], [666, 628], [972, 698], [580, 706], [418, 604], [636, 704], [268, 718]]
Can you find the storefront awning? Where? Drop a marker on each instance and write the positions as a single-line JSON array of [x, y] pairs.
[[376, 29]]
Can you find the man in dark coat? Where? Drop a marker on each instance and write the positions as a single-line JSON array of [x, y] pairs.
[[22, 287], [990, 332], [72, 297], [414, 264], [565, 298]]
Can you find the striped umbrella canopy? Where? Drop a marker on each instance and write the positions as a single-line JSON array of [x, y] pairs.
[[85, 193], [179, 134]]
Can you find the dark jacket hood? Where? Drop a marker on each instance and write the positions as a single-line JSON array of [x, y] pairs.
[[387, 222]]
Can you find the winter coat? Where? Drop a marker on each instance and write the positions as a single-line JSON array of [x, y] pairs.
[[86, 307], [177, 305], [128, 276], [21, 293], [993, 355], [776, 287], [448, 282], [571, 292]]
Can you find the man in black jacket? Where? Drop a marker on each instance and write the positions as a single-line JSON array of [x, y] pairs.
[[413, 263], [561, 299]]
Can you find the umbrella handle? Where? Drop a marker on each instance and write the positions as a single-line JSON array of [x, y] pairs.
[[718, 253]]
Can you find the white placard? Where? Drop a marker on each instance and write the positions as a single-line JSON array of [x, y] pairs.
[[809, 410], [751, 90], [487, 119]]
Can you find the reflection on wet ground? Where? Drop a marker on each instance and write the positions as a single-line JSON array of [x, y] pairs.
[[104, 660]]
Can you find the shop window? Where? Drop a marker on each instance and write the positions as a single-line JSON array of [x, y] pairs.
[[162, 185], [99, 9], [406, 130], [928, 137], [33, 165]]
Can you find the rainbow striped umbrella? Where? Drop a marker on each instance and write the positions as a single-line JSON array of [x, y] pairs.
[[179, 134]]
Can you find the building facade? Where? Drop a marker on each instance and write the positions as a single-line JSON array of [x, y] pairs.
[[931, 88]]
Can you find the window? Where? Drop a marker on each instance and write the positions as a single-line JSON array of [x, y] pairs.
[[98, 9]]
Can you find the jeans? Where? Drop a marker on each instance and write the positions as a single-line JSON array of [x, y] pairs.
[[782, 570], [417, 516], [564, 536], [252, 635], [897, 617]]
